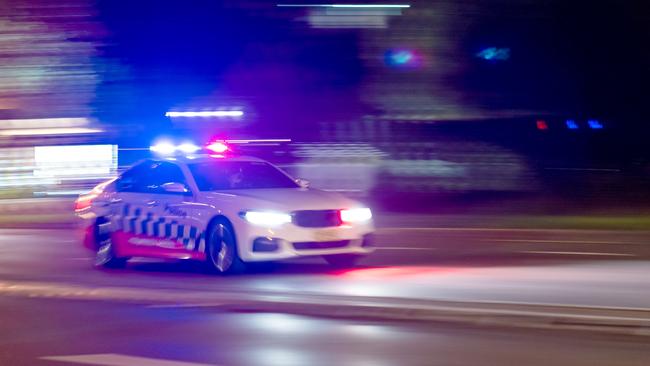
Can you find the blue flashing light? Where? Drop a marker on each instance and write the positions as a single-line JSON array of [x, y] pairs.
[[188, 148], [494, 54], [163, 148], [402, 58], [571, 124], [595, 124], [169, 148]]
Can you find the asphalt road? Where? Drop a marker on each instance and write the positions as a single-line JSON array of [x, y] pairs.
[[617, 279], [73, 332], [586, 269]]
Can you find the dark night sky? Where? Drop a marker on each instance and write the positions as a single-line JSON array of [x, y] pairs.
[[587, 57]]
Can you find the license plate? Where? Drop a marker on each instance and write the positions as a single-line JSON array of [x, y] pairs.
[[327, 235]]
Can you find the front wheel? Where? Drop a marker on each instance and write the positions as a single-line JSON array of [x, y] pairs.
[[342, 260], [221, 251], [105, 254]]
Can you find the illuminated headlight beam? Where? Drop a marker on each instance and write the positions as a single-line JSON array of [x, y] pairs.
[[269, 219], [205, 114], [356, 215]]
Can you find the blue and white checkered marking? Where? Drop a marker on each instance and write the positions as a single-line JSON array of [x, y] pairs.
[[132, 219]]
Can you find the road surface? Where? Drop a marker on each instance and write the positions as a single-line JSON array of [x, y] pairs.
[[72, 332], [55, 257], [105, 330]]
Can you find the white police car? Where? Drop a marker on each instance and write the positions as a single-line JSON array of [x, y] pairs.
[[222, 210]]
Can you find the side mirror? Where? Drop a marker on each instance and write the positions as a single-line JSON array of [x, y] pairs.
[[303, 183], [175, 187]]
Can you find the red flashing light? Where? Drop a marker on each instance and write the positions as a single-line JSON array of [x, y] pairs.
[[541, 125], [218, 147]]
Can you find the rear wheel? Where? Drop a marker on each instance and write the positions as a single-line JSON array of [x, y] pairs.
[[221, 252], [342, 260], [105, 251]]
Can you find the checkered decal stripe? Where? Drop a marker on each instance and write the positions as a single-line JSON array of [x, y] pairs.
[[132, 220]]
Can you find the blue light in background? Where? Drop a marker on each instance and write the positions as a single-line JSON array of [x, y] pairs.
[[494, 54], [571, 124], [595, 124], [402, 58]]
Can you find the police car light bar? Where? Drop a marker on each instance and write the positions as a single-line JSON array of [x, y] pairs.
[[188, 148], [167, 148], [217, 147], [205, 114], [164, 148]]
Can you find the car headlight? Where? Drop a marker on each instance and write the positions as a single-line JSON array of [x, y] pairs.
[[354, 215], [266, 218]]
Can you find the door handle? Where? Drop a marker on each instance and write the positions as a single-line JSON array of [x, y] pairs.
[[153, 203], [113, 201]]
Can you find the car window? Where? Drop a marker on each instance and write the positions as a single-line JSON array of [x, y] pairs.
[[149, 176], [224, 175], [133, 179]]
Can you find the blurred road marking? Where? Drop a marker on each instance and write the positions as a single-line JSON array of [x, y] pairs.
[[188, 305], [113, 359], [559, 241], [493, 229], [404, 248], [585, 169], [577, 253]]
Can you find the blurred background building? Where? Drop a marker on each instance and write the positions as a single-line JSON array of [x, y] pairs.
[[428, 99]]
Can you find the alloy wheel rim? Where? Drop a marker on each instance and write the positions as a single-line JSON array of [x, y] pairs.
[[223, 258], [104, 253]]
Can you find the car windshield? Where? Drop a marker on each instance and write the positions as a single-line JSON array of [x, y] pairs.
[[222, 175]]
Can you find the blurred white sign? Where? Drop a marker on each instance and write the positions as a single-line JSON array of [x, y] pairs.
[[76, 161]]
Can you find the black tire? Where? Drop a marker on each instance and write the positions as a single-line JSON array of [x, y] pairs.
[[342, 260], [105, 256], [221, 251]]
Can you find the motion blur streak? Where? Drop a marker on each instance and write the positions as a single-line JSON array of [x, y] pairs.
[[48, 131], [55, 168], [360, 6], [43, 123], [397, 273], [206, 114]]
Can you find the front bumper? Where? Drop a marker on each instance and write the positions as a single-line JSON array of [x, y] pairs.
[[291, 241]]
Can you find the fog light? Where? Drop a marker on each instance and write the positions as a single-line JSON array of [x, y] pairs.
[[368, 241], [266, 245]]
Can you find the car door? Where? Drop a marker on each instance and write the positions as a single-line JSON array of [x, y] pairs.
[[150, 220], [172, 205], [133, 207]]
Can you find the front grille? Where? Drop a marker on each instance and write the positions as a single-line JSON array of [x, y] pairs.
[[321, 244], [317, 218]]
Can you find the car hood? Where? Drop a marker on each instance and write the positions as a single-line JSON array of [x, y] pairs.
[[285, 199]]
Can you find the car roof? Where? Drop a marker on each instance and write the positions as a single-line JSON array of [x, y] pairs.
[[204, 158]]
